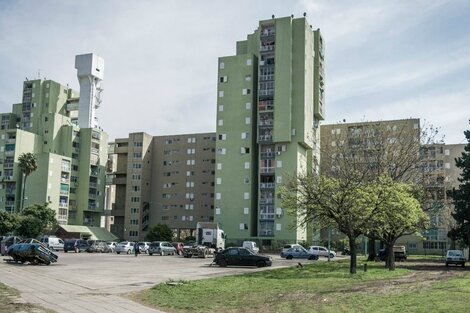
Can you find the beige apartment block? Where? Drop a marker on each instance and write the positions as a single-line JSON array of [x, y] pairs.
[[162, 180]]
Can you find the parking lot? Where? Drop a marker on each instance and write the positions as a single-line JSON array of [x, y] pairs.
[[87, 282]]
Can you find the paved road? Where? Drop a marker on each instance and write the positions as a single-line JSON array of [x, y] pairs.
[[95, 282]]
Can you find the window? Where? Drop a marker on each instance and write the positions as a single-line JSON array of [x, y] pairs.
[[248, 62], [247, 165], [245, 150], [218, 180], [279, 163], [222, 136], [221, 93], [243, 226], [246, 210], [223, 79], [245, 135], [247, 120], [248, 105], [246, 196], [218, 196], [191, 140], [245, 91], [219, 166], [217, 211], [279, 179], [248, 78], [221, 151], [220, 122], [278, 226], [189, 184], [221, 108], [221, 65]]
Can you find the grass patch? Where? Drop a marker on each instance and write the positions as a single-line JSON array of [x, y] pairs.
[[281, 290]]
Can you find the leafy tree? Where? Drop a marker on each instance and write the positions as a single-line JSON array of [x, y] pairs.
[[27, 163], [36, 220], [8, 222], [461, 197], [374, 149], [160, 232], [397, 213], [336, 202]]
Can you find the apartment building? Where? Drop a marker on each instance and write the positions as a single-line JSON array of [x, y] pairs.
[[70, 156], [163, 180], [370, 146], [270, 100]]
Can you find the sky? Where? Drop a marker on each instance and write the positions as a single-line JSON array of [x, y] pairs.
[[384, 59]]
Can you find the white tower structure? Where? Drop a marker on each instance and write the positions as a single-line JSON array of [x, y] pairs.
[[90, 69]]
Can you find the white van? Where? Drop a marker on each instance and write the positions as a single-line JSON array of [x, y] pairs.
[[53, 243], [251, 245]]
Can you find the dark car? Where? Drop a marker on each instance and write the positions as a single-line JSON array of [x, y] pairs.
[[241, 257], [32, 251], [77, 245]]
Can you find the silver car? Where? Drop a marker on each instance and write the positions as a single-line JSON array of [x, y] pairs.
[[125, 247], [321, 251], [162, 248]]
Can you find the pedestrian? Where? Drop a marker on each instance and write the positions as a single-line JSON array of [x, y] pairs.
[[136, 249]]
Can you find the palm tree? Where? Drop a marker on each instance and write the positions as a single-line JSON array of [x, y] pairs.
[[27, 163]]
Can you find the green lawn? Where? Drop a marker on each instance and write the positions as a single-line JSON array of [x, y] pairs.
[[320, 287]]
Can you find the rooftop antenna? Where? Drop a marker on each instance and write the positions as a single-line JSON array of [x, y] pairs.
[[292, 16], [273, 16], [305, 14], [39, 73]]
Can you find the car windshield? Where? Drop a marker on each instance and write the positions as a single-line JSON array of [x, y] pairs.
[[454, 253]]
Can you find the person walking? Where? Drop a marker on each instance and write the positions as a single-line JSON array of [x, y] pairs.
[[136, 249]]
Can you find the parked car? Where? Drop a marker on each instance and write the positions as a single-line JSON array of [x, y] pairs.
[[298, 253], [125, 247], [99, 247], [76, 245], [162, 248], [53, 243], [455, 257], [241, 257], [292, 245], [251, 245], [112, 245], [321, 251], [179, 247], [143, 246], [398, 251]]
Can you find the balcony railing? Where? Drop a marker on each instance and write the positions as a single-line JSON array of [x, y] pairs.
[[10, 152], [65, 168], [269, 154], [11, 140], [92, 195], [266, 77], [64, 192], [267, 185], [94, 173], [93, 185], [266, 92], [268, 122], [95, 151], [266, 216], [265, 170], [266, 200], [8, 165], [265, 137], [265, 48], [9, 191], [63, 205], [9, 203]]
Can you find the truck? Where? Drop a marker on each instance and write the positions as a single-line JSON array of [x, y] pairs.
[[210, 238]]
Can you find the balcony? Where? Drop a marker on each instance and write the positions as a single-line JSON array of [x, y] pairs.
[[266, 92], [10, 152], [119, 180], [268, 155], [94, 173], [95, 151], [9, 203], [266, 48], [93, 185], [266, 216], [267, 122], [266, 201], [92, 196], [11, 140], [65, 180], [265, 137], [266, 170], [64, 192], [64, 205], [266, 233], [8, 177], [10, 191], [8, 165], [267, 185], [65, 168]]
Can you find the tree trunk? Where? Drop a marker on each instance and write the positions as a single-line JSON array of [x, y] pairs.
[[23, 192], [390, 256], [353, 251], [372, 253]]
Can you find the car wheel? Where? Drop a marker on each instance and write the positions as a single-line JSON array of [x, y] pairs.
[[463, 264], [260, 264], [332, 255], [312, 257], [118, 252], [76, 250], [289, 257], [223, 263], [128, 251], [150, 253], [162, 253]]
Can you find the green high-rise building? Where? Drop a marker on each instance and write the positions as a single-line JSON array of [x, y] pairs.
[[269, 103], [70, 159]]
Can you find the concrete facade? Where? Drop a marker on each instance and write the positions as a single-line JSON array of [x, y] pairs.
[[70, 159], [270, 101], [163, 180]]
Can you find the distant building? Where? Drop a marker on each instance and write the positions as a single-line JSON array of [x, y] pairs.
[[70, 158], [162, 180], [270, 100]]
